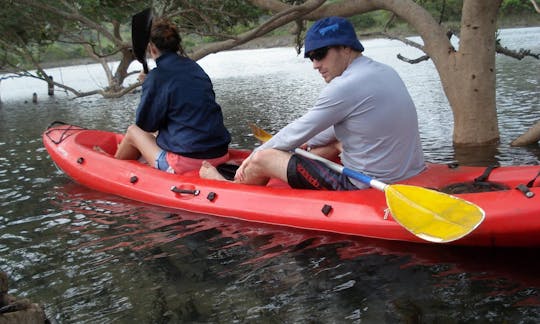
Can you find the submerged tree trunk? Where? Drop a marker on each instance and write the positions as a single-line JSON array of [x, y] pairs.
[[468, 78], [117, 81]]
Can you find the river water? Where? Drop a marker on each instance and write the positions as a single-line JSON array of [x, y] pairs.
[[90, 257]]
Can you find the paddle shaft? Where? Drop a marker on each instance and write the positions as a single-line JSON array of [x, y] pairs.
[[341, 169]]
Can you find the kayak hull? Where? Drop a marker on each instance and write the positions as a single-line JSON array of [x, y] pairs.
[[512, 219]]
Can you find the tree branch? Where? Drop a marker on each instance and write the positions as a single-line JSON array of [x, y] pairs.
[[519, 55], [413, 61], [291, 13], [420, 19], [12, 76], [529, 137]]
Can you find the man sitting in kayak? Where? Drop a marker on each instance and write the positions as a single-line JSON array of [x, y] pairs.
[[177, 102], [364, 114]]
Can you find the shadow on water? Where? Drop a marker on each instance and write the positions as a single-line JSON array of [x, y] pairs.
[[134, 261]]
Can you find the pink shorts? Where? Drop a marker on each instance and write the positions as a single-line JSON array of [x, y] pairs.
[[180, 164]]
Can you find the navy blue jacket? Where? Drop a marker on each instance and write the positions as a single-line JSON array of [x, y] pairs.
[[178, 100]]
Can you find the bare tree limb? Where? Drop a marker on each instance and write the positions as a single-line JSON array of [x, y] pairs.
[[281, 18], [530, 137], [10, 76], [300, 25], [413, 61], [519, 55]]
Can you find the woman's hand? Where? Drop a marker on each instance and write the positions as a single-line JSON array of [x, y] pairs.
[[141, 76]]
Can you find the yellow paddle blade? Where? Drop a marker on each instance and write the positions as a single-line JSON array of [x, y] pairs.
[[432, 215], [260, 133]]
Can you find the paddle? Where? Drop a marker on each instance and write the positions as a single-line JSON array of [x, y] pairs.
[[431, 215], [141, 24]]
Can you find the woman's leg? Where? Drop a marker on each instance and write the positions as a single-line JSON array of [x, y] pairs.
[[137, 142]]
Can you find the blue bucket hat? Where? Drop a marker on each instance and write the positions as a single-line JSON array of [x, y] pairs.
[[331, 31]]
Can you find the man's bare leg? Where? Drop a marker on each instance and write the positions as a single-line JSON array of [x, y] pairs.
[[260, 167]]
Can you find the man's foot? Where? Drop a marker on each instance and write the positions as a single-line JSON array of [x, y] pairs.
[[208, 171]]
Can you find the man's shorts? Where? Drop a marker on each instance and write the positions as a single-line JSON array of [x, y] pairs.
[[305, 173]]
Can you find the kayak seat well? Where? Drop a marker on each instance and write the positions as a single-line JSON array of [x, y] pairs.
[[473, 187], [228, 171], [107, 143]]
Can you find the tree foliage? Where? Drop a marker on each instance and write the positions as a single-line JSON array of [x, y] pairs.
[[30, 27], [215, 18]]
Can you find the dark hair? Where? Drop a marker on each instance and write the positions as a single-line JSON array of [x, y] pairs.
[[165, 36]]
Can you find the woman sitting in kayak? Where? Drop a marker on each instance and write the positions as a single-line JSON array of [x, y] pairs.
[[178, 103]]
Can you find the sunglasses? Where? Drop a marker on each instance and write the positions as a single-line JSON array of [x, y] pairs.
[[318, 54]]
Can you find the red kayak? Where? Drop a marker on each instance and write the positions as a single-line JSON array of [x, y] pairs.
[[509, 196]]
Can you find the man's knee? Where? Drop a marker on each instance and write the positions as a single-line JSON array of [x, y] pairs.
[[262, 158], [257, 162], [270, 163]]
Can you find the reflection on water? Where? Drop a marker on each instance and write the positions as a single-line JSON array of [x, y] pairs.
[[91, 257], [192, 267]]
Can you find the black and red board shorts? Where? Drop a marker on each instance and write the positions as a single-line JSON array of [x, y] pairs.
[[305, 173]]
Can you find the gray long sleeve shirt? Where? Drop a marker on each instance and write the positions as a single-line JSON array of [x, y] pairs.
[[369, 110]]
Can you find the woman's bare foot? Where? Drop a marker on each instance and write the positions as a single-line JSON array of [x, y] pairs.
[[208, 171]]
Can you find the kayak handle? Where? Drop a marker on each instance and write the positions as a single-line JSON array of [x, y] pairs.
[[177, 190]]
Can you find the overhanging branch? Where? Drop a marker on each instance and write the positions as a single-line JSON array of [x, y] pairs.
[[279, 19], [519, 55]]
